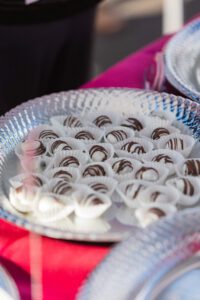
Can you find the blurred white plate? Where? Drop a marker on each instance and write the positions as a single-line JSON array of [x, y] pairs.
[[160, 262], [8, 289], [182, 61]]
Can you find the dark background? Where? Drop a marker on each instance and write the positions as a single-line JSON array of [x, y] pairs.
[[136, 33]]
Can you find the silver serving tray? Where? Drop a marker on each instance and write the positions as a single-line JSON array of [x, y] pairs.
[[182, 61], [15, 125], [161, 262]]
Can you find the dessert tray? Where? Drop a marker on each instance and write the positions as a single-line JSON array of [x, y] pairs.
[[160, 262], [94, 165], [182, 61]]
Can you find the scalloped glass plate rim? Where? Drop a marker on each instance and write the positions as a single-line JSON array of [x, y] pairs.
[[143, 96]]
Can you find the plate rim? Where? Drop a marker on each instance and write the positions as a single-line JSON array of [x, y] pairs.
[[10, 283], [170, 73], [121, 250]]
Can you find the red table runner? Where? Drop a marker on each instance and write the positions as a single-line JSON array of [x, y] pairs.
[[66, 264]]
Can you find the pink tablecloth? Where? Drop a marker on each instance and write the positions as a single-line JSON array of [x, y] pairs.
[[67, 264]]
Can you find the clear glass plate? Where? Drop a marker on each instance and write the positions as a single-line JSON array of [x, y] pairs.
[[182, 61], [15, 125], [160, 262], [8, 289]]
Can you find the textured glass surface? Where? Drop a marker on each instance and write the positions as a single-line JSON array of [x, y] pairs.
[[182, 61], [184, 288], [7, 286], [136, 267], [15, 125]]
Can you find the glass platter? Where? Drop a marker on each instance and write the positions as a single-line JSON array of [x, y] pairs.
[[8, 289], [182, 61], [161, 262], [15, 125]]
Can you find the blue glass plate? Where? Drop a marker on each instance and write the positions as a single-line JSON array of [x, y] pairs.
[[16, 124], [161, 262], [182, 61]]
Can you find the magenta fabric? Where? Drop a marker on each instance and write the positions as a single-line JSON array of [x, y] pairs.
[[66, 264]]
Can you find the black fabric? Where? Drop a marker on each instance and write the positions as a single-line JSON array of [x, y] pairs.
[[16, 12], [39, 59]]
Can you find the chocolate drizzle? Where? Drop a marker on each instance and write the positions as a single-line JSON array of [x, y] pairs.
[[41, 149], [159, 132], [48, 134], [157, 211], [133, 190], [96, 201], [154, 196], [188, 188], [192, 167], [133, 123], [33, 148], [84, 135], [72, 121], [122, 166], [102, 120], [57, 144], [98, 150], [94, 170], [147, 173], [63, 175], [175, 144], [99, 187], [20, 189], [61, 188], [69, 160], [163, 158], [93, 200], [133, 147], [32, 181], [117, 135]]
